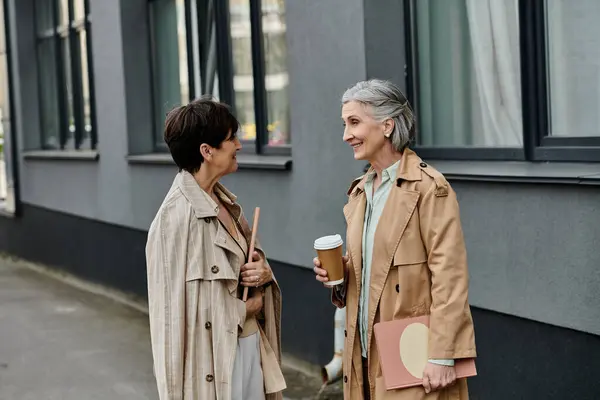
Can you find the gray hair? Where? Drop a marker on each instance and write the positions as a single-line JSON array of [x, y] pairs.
[[385, 100]]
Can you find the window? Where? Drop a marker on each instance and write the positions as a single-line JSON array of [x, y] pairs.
[[574, 67], [65, 71], [505, 79], [7, 174], [234, 50], [170, 66]]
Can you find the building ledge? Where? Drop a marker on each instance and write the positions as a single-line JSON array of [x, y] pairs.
[[245, 161], [520, 171], [62, 155]]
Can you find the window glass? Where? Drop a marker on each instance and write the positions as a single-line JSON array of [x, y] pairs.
[[469, 86]]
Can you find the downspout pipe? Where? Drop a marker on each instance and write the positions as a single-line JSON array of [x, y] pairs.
[[333, 370]]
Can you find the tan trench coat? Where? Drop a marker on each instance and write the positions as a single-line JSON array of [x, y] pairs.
[[195, 316], [419, 267]]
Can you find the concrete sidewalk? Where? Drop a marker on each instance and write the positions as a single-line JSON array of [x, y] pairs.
[[58, 342]]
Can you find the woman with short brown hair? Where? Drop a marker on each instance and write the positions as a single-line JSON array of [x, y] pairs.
[[206, 342]]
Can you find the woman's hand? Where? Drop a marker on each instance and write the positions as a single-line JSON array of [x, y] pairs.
[[321, 274], [254, 304], [256, 273], [437, 377]]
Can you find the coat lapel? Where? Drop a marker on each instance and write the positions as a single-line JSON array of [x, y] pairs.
[[354, 212], [398, 210], [205, 207], [224, 239], [226, 242]]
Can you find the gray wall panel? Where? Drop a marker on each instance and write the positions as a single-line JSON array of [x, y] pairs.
[[149, 185], [111, 109], [533, 250], [70, 187], [384, 40]]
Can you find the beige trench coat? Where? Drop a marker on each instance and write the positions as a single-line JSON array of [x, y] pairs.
[[419, 267], [195, 316]]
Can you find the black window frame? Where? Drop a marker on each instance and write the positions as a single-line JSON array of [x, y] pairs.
[[219, 10], [538, 144], [71, 33]]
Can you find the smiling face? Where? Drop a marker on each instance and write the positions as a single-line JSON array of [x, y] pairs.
[[364, 134], [223, 160]]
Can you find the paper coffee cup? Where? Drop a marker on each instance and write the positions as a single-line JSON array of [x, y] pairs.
[[329, 251]]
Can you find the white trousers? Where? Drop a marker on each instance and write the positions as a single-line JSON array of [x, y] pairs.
[[247, 381]]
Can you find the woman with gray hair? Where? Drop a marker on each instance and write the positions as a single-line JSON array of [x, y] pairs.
[[406, 254]]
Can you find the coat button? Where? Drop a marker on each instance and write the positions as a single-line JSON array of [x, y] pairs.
[[208, 325], [209, 378], [214, 269], [345, 333], [345, 378], [398, 288], [207, 220], [423, 165]]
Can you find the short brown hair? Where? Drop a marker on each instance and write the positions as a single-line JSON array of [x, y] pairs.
[[201, 121]]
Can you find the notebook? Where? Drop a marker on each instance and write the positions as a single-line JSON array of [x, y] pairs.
[[403, 348]]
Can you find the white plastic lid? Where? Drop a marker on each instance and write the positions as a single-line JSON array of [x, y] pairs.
[[328, 242]]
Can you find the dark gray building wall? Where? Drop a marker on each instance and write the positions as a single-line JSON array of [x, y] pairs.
[[533, 250]]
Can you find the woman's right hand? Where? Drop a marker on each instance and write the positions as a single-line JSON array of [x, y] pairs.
[[321, 274]]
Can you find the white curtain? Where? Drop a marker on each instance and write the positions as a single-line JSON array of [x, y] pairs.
[[494, 33]]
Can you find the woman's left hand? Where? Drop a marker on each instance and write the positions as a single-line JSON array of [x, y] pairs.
[[257, 272]]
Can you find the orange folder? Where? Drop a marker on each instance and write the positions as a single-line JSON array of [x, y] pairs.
[[403, 352]]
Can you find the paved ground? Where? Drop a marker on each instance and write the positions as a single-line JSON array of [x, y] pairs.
[[61, 343]]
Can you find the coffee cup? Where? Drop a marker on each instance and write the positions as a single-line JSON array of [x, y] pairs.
[[329, 251]]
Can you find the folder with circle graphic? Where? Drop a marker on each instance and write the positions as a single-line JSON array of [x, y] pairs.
[[403, 352]]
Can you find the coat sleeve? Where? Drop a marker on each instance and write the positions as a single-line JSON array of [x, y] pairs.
[[451, 334], [166, 265]]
